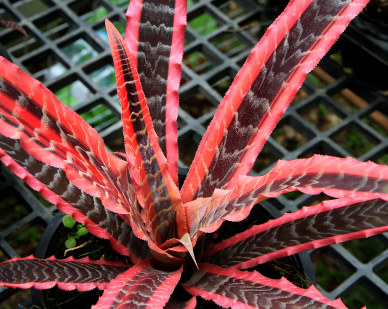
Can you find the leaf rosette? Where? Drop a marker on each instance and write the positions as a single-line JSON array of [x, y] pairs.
[[132, 198]]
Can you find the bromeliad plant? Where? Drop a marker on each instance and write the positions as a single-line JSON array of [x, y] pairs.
[[132, 199]]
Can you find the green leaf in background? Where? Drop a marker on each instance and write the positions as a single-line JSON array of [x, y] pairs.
[[100, 117], [98, 12], [314, 80], [323, 110], [68, 221], [70, 243], [82, 231], [203, 24]]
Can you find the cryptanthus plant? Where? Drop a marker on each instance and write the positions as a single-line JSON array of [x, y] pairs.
[[133, 200]]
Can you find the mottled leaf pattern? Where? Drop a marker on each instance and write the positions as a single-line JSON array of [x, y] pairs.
[[56, 135], [157, 193], [132, 199], [154, 36], [142, 286], [14, 26], [55, 187], [242, 289], [69, 274], [311, 227], [336, 177], [262, 90]]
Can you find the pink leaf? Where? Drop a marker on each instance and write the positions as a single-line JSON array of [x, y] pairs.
[[142, 286], [262, 90], [242, 289], [69, 274], [55, 187], [327, 223], [57, 136], [336, 177]]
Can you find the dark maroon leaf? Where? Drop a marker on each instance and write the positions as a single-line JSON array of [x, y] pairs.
[[14, 26], [312, 227], [69, 274]]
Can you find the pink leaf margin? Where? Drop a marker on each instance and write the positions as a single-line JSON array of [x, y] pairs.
[[64, 286], [299, 75], [173, 83]]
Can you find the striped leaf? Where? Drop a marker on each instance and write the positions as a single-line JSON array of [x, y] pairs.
[[157, 193], [15, 26], [69, 274], [241, 289], [263, 89], [142, 285], [328, 223], [57, 136], [336, 177], [154, 36], [55, 187]]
